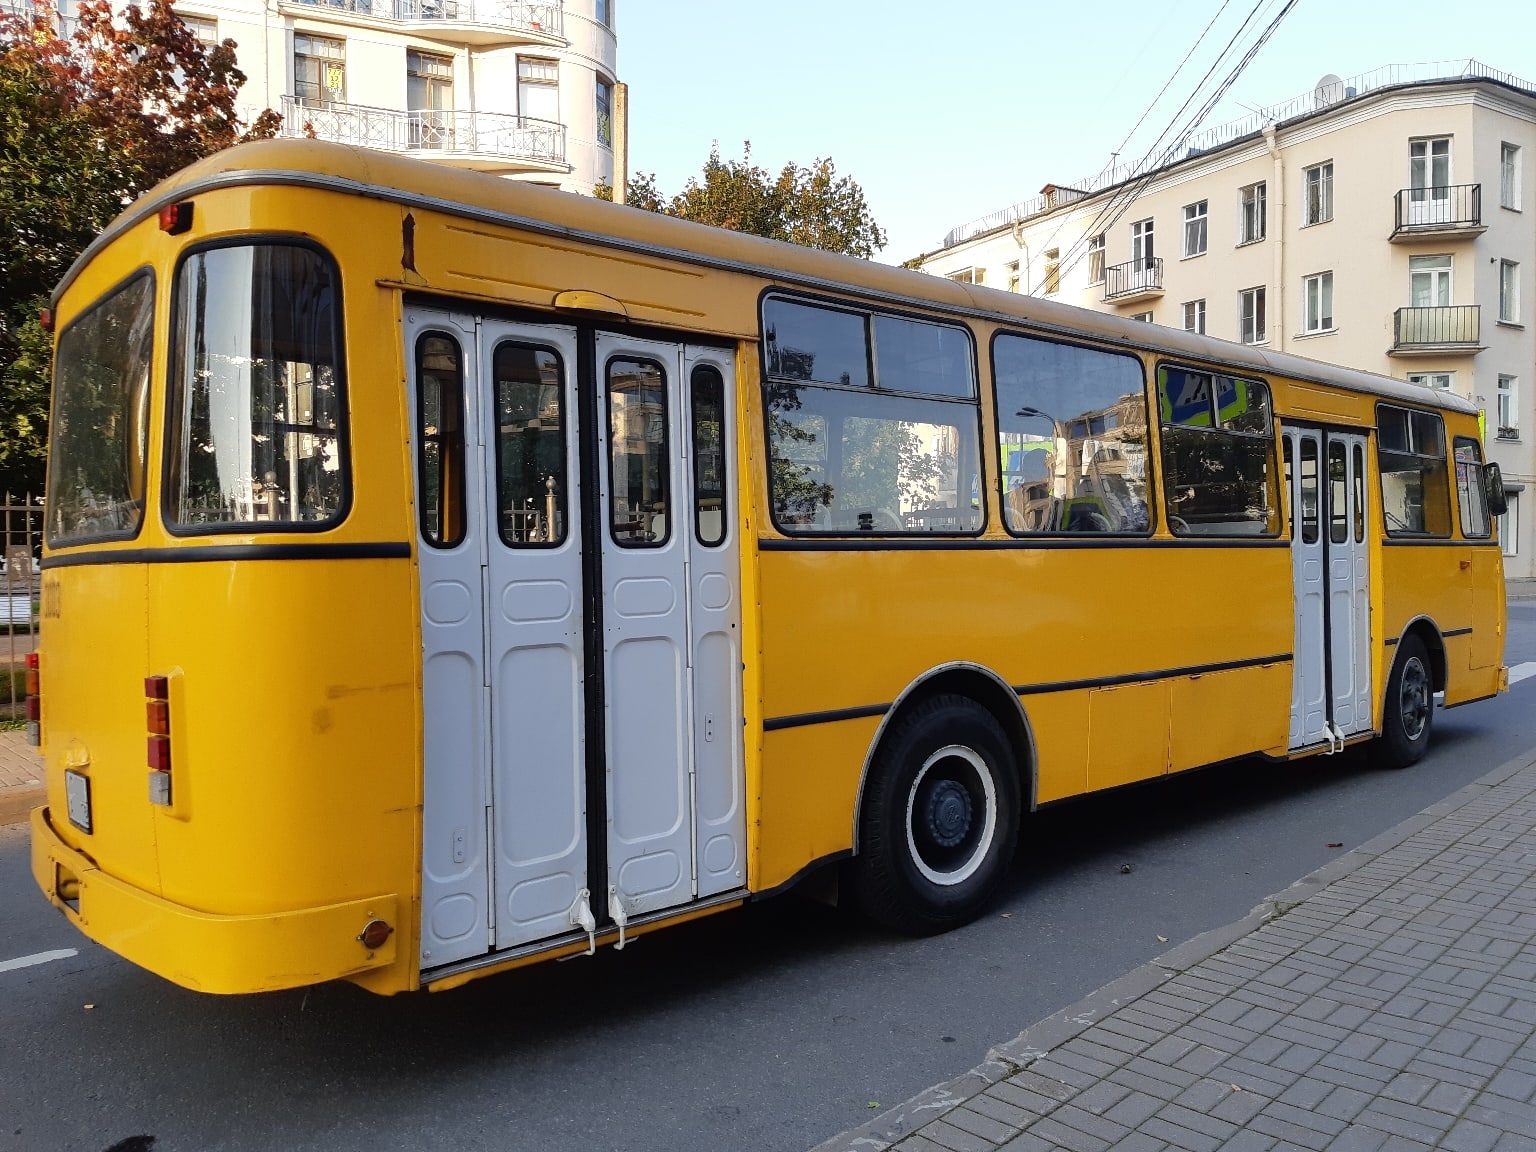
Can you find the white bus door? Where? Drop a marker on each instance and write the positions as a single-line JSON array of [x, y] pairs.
[[1331, 680]]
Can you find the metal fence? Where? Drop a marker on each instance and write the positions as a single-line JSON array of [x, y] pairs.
[[1438, 207], [1133, 277], [1435, 327], [20, 590], [434, 130], [532, 17]]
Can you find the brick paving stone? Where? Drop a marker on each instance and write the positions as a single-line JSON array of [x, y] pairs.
[[1392, 1009]]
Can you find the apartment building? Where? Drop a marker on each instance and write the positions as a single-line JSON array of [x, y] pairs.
[[520, 88], [1382, 222]]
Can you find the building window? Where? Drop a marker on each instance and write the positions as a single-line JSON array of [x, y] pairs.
[[1317, 193], [1429, 279], [1096, 259], [1194, 316], [1144, 317], [604, 13], [1052, 271], [1441, 381], [1508, 412], [604, 112], [205, 30], [538, 89], [1317, 302], [1509, 292], [1429, 169], [967, 276], [319, 69], [1253, 215], [1509, 526], [1141, 245], [1012, 268], [1251, 310], [1509, 176], [1194, 228]]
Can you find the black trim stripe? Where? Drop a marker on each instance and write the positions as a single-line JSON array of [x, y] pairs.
[[1457, 632], [1474, 700], [1390, 641], [951, 544], [222, 553], [1137, 677], [1435, 542], [802, 719]]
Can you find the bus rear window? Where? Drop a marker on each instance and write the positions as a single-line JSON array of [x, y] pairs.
[[100, 433], [256, 406]]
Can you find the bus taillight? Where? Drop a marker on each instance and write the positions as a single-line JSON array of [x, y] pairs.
[[157, 709], [34, 701]]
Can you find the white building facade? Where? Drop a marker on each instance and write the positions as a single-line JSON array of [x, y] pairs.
[[520, 88], [1385, 222]]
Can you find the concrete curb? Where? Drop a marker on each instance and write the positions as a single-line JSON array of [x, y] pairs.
[[16, 804], [1013, 1056]]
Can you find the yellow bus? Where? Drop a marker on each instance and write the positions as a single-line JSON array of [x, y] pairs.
[[443, 573]]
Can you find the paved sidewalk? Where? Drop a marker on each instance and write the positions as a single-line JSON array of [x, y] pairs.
[[1386, 1002], [21, 777]]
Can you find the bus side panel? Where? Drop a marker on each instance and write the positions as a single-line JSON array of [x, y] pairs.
[[92, 683], [1215, 717], [1487, 611], [293, 727], [1427, 581]]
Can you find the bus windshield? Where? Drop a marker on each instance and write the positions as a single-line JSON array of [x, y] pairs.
[[100, 418]]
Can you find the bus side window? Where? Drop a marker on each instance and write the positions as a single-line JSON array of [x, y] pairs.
[[1309, 491], [639, 481], [1287, 466], [1218, 453], [440, 434], [530, 445], [1359, 494], [1072, 437], [1338, 493], [709, 504], [1415, 493]]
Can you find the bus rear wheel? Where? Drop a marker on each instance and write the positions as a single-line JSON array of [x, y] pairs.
[[1408, 712], [940, 818]]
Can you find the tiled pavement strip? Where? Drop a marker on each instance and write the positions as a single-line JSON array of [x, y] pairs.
[[1386, 1002], [21, 777]]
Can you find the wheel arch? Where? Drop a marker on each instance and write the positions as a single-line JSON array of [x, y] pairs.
[[974, 682], [1434, 644]]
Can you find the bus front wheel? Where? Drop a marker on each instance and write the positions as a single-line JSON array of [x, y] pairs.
[[940, 818], [1408, 711]]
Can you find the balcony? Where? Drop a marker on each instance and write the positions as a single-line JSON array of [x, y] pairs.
[[489, 141], [1134, 280], [1442, 212], [462, 21], [1436, 331]]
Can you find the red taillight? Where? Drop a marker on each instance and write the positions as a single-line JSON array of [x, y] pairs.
[[34, 700], [160, 753], [176, 218], [157, 718]]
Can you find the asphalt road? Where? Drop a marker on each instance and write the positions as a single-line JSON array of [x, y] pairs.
[[769, 1028]]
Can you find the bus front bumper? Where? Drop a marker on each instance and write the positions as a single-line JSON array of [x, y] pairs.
[[205, 951]]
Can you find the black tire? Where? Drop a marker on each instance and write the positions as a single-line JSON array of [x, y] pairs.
[[940, 818], [1408, 711]]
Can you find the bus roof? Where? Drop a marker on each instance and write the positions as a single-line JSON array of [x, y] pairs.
[[517, 204]]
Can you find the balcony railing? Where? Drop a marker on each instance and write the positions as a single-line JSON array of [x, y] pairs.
[[1429, 330], [442, 132], [547, 18], [1440, 210], [1134, 280]]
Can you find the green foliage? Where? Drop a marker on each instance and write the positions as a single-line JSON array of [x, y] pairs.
[[813, 207], [86, 125]]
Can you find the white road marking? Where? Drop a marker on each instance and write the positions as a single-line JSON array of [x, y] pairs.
[[37, 958], [1522, 672]]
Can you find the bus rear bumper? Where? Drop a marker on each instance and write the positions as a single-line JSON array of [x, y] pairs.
[[205, 951]]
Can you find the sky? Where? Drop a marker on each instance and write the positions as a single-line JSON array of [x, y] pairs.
[[944, 112]]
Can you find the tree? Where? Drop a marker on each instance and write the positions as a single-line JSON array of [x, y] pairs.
[[813, 206], [87, 124]]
